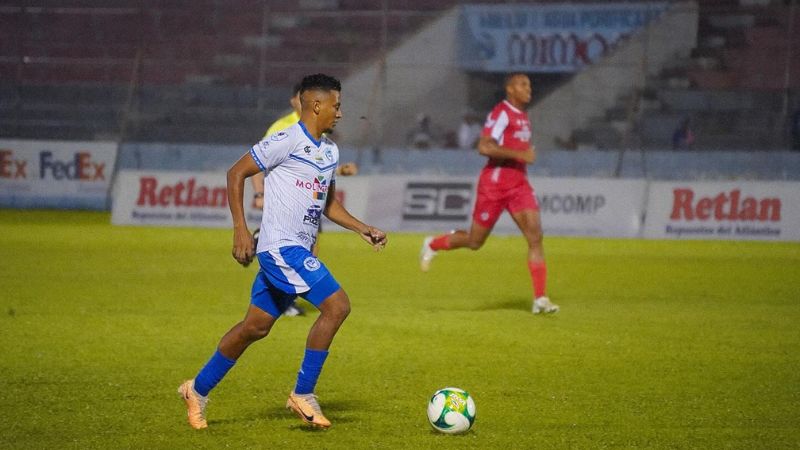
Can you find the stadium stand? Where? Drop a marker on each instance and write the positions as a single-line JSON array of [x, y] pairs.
[[733, 89], [202, 70], [211, 71]]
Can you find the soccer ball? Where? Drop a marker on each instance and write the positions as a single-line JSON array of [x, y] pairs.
[[451, 410]]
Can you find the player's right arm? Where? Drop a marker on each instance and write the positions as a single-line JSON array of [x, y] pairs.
[[242, 239], [488, 146]]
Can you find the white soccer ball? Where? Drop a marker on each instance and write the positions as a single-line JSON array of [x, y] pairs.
[[451, 410]]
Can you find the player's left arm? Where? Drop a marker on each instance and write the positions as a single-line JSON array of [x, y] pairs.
[[337, 213]]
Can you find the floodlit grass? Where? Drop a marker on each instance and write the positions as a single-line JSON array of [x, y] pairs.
[[658, 344]]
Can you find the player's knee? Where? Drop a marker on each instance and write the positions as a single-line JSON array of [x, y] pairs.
[[475, 244], [342, 309], [337, 307], [254, 331]]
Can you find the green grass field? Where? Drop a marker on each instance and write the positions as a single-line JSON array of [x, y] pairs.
[[658, 344]]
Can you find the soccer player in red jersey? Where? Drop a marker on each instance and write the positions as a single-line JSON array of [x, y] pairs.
[[503, 185]]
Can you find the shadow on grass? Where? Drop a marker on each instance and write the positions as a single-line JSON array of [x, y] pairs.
[[336, 411], [484, 304], [470, 434], [508, 303]]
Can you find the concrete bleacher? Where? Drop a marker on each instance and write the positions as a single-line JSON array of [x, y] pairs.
[[207, 70], [202, 70], [748, 44], [733, 88], [203, 38]]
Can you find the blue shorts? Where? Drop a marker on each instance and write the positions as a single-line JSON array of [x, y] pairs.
[[286, 273]]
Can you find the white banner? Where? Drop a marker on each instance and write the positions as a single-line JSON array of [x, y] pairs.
[[352, 193], [724, 210], [183, 199], [56, 174], [200, 199], [587, 207], [569, 206], [402, 203]]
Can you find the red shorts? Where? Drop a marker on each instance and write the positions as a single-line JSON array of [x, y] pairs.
[[495, 194]]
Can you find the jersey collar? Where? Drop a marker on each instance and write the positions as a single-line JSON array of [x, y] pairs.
[[512, 106], [316, 142]]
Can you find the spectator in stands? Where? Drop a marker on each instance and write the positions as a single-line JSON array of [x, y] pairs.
[[796, 129], [469, 131], [683, 137], [421, 136]]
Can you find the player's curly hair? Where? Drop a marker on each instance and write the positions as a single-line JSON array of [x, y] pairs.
[[320, 81]]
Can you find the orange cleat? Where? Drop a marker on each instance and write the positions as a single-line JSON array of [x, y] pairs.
[[307, 407], [195, 405]]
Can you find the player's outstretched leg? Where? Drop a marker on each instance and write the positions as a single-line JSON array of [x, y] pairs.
[[473, 240], [256, 325]]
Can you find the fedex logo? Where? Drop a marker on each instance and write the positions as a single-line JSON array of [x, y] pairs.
[[10, 167], [81, 167], [724, 206]]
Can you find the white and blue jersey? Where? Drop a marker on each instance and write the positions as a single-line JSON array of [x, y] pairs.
[[299, 170]]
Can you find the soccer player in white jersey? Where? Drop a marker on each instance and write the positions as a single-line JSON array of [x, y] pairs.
[[300, 165], [346, 169]]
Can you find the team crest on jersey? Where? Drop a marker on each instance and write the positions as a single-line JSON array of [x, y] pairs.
[[311, 263], [279, 136], [329, 154]]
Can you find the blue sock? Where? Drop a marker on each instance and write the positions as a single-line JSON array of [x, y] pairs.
[[310, 370], [212, 373]]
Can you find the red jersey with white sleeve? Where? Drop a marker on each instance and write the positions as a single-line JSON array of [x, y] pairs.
[[511, 128], [503, 183]]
